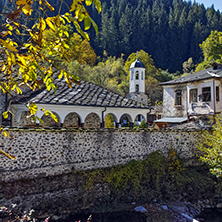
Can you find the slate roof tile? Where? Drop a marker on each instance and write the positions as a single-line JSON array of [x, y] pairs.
[[86, 94], [202, 75]]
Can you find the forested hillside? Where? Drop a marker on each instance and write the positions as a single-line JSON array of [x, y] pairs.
[[167, 34], [169, 30]]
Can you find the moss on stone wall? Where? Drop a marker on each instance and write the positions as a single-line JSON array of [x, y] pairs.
[[155, 177]]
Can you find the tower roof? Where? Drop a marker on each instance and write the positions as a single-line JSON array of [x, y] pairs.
[[137, 64]]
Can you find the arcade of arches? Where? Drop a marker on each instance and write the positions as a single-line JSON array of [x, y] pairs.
[[91, 121]]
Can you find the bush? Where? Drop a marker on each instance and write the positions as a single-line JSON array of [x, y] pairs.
[[143, 124]]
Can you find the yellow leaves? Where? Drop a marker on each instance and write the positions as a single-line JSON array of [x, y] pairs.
[[67, 78], [18, 90], [21, 2], [42, 24], [5, 115], [57, 20], [21, 58], [49, 23], [53, 116], [61, 74], [8, 45], [3, 68], [49, 6], [73, 5], [67, 17], [88, 2], [98, 5], [27, 10], [87, 23], [25, 5], [6, 154], [32, 108], [11, 55]]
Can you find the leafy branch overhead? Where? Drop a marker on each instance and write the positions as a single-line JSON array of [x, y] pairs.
[[23, 61]]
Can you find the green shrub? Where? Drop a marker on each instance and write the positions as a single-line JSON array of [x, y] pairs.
[[143, 124]]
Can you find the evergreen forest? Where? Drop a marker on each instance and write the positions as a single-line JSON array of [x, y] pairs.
[[169, 30], [167, 34]]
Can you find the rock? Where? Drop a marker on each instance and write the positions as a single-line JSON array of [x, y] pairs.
[[140, 209], [164, 207], [219, 205], [190, 219]]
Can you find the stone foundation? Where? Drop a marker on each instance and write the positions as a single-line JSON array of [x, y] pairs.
[[41, 177], [54, 152]]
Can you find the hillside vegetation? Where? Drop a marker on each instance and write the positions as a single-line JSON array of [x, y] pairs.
[[169, 30]]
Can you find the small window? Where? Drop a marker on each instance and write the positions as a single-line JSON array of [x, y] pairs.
[[206, 93], [137, 75], [137, 88], [217, 94], [193, 95], [142, 76], [131, 75], [178, 97]]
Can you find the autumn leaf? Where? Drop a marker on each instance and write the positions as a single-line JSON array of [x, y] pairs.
[[33, 108], [49, 6], [88, 2], [49, 23], [5, 115], [6, 154], [8, 46], [27, 10], [21, 2]]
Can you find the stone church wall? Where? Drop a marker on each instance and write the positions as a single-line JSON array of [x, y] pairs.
[[50, 153]]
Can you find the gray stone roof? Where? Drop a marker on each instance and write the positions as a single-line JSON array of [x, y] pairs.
[[204, 74], [86, 94], [137, 64]]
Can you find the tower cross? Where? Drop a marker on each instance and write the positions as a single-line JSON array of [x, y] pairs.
[[137, 53]]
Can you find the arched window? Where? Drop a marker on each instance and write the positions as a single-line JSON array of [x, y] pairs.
[[137, 74], [142, 76], [178, 97], [137, 88], [132, 75]]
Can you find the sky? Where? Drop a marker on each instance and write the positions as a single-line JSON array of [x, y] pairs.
[[208, 3]]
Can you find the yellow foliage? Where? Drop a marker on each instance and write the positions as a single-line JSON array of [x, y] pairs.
[[26, 61], [109, 121]]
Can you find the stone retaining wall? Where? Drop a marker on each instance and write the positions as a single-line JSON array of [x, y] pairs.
[[42, 152]]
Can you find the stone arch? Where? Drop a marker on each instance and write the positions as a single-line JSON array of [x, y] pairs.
[[72, 120], [125, 120], [138, 119], [26, 119], [110, 121], [50, 122], [92, 121]]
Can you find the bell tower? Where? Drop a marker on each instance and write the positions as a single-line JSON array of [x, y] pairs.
[[137, 82], [137, 77]]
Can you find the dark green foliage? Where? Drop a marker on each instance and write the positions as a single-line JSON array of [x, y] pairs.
[[154, 177], [143, 125], [170, 31]]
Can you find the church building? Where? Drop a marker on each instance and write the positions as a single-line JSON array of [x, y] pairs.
[[86, 105]]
